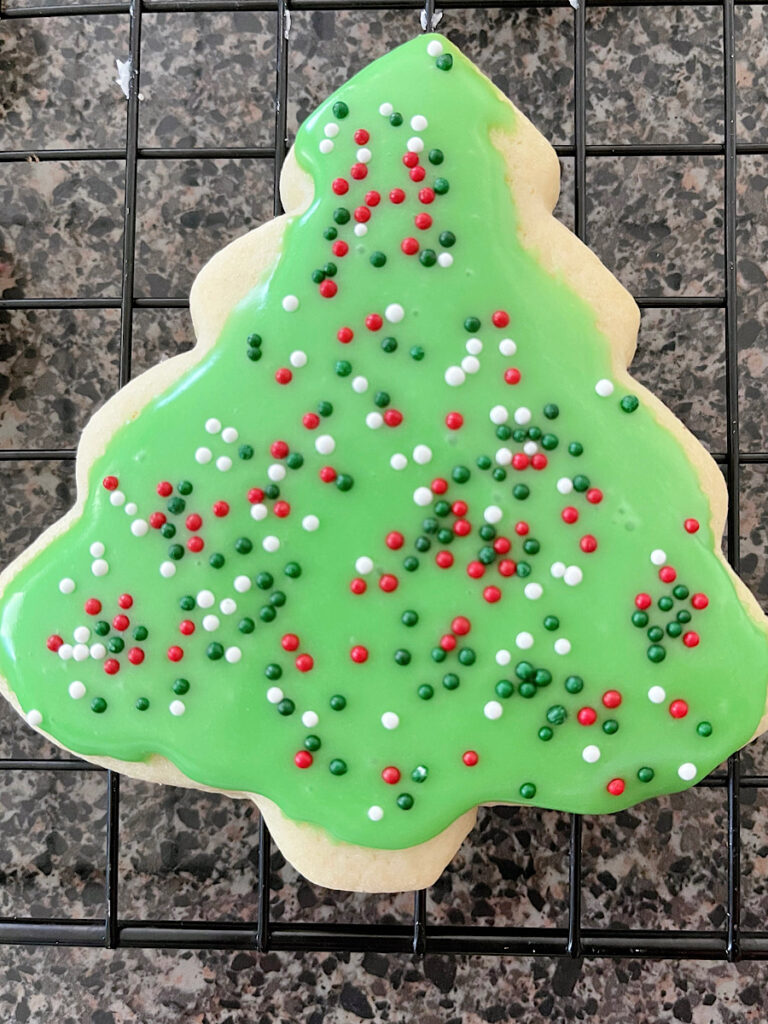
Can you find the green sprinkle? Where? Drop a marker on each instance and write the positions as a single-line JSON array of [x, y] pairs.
[[272, 491], [575, 449], [704, 729], [438, 654], [523, 569], [655, 633], [436, 156], [551, 622], [549, 442], [460, 474], [519, 434], [527, 690], [340, 109], [176, 506], [410, 564], [427, 257], [184, 487], [527, 791], [140, 633], [243, 546], [610, 726], [344, 482], [312, 743], [429, 525], [264, 580], [531, 546], [542, 677], [254, 340], [580, 482], [292, 569], [395, 119], [141, 704], [378, 259], [487, 555], [503, 432], [680, 592], [521, 491], [551, 411], [245, 451], [246, 625], [444, 62], [181, 686], [402, 657], [629, 403], [99, 705], [483, 462], [425, 691], [389, 344], [115, 645], [102, 627], [442, 507], [329, 269], [574, 684], [286, 707], [487, 532], [277, 598], [338, 702], [186, 603], [409, 618], [472, 324], [557, 714], [417, 353], [295, 460], [656, 653], [674, 629], [666, 604], [254, 354], [422, 543], [524, 670], [382, 399], [341, 215], [273, 671], [267, 613], [467, 656], [330, 234], [645, 774], [640, 619], [441, 186], [419, 773], [499, 474], [683, 615], [447, 239], [337, 766], [214, 651], [405, 801], [318, 276], [216, 561], [451, 681], [545, 733], [504, 688]]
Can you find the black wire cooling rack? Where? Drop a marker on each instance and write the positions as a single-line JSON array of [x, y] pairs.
[[730, 943]]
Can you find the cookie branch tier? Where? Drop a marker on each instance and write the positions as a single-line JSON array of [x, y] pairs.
[[406, 539]]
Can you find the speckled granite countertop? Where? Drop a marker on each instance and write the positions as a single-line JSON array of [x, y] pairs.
[[653, 75]]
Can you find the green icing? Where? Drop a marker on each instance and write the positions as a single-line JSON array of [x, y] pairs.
[[449, 753]]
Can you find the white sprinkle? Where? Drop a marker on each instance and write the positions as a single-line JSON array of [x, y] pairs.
[[224, 463], [276, 472], [274, 695], [211, 623], [522, 416], [98, 651], [492, 514], [233, 655], [361, 230], [658, 557], [390, 720], [524, 641], [324, 444], [394, 313], [374, 420], [507, 347], [422, 496], [434, 48], [290, 303], [228, 606], [205, 599], [364, 565], [503, 456], [298, 358], [422, 454], [82, 634], [139, 527], [530, 447], [503, 657], [65, 652], [687, 771], [213, 426], [242, 584], [657, 695], [67, 585], [326, 146], [398, 461], [259, 511], [117, 498], [386, 109], [455, 376], [499, 414], [604, 388], [100, 567], [360, 385], [97, 549], [203, 455], [364, 155], [415, 144], [562, 646], [533, 591], [591, 753], [565, 485], [80, 652], [310, 719], [177, 707], [493, 710], [229, 434], [167, 569], [474, 346], [331, 130], [558, 570], [270, 543], [445, 259], [310, 523], [34, 717], [76, 690], [573, 575], [131, 508], [375, 813], [470, 364]]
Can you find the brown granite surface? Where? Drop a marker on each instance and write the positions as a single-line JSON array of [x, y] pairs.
[[653, 75]]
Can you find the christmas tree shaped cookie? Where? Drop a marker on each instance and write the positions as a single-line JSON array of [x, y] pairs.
[[400, 536]]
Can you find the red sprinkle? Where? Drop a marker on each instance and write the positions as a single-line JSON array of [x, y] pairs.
[[492, 595], [422, 221], [462, 527], [345, 335], [417, 174], [279, 449], [135, 655], [54, 642], [448, 642], [327, 474], [502, 545], [111, 666], [691, 525], [569, 514], [409, 246], [195, 544], [109, 483], [221, 508], [396, 196], [388, 583], [426, 196], [394, 540], [512, 375], [410, 159], [520, 461], [121, 622], [444, 559], [454, 421], [362, 214], [500, 318], [594, 495], [459, 508], [193, 522], [393, 417], [373, 322], [284, 375], [358, 586], [539, 461], [521, 528], [586, 716], [92, 606], [327, 289], [359, 654], [615, 787], [303, 759], [461, 625], [678, 709], [305, 663], [507, 567], [611, 698], [691, 639], [339, 248], [470, 758], [372, 198], [588, 543], [361, 136], [475, 570], [699, 601], [667, 574], [156, 520], [164, 489], [643, 601], [282, 509], [255, 494], [340, 186], [290, 642], [186, 627], [439, 485], [391, 775], [358, 171], [175, 653]]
